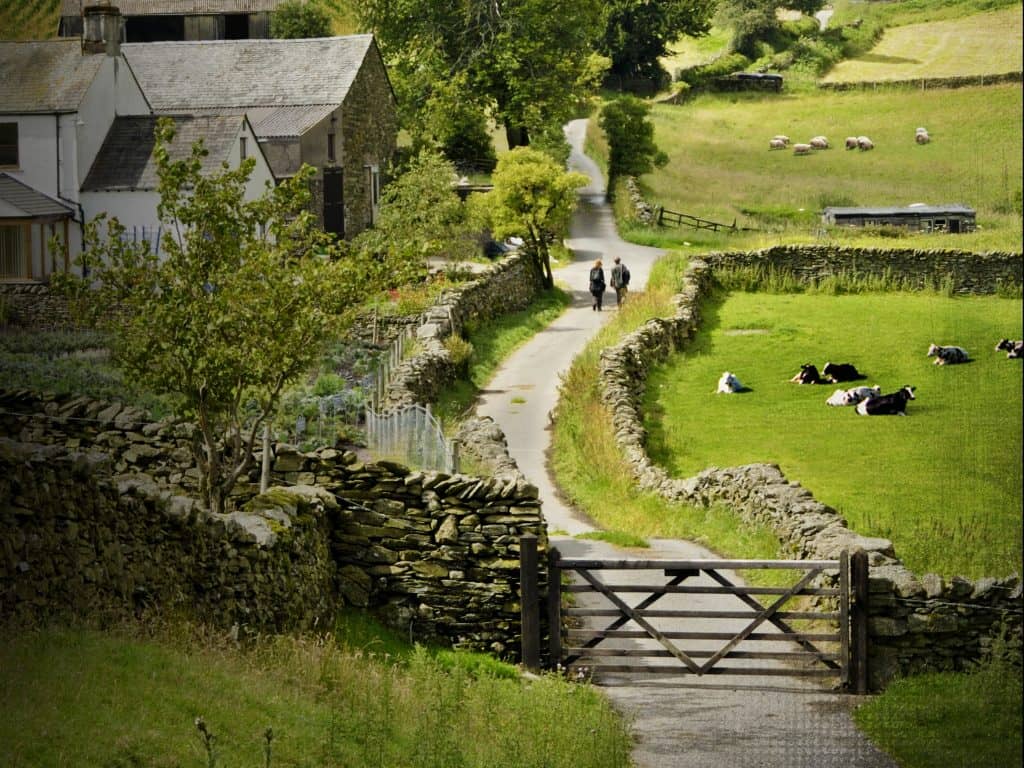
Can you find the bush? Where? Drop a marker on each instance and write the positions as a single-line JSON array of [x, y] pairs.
[[460, 351], [723, 65], [296, 19]]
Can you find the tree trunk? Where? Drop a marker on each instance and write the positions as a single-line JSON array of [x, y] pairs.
[[517, 136]]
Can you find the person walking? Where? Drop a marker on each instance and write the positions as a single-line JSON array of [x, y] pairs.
[[620, 281], [597, 285]]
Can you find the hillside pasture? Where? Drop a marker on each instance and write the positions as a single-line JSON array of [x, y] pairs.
[[721, 168], [29, 19], [981, 44], [943, 483]]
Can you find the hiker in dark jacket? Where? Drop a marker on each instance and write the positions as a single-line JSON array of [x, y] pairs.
[[597, 285], [620, 281]]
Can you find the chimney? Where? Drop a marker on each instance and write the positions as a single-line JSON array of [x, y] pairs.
[[101, 29]]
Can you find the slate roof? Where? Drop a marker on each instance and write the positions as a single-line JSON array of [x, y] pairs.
[[126, 162], [176, 7], [45, 76], [918, 210], [279, 122], [212, 74], [30, 202]]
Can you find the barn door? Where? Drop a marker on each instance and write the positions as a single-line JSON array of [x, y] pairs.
[[334, 201]]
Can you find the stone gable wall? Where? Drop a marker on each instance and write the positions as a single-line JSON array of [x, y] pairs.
[[34, 305], [916, 623]]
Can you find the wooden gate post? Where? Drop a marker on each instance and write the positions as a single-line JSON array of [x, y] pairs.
[[859, 658], [554, 608], [529, 602]]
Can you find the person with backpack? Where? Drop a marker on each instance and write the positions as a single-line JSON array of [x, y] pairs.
[[597, 285], [620, 281]]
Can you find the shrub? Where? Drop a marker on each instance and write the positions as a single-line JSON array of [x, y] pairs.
[[723, 65], [460, 351]]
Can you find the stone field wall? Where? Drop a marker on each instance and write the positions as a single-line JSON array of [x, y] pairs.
[[915, 623]]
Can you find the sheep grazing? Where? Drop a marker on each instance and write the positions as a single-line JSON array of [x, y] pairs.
[[851, 142], [922, 137], [819, 142], [776, 144], [783, 139], [801, 149], [864, 143]]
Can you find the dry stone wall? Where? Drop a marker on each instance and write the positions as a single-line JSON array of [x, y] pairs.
[[916, 623], [33, 305], [95, 513]]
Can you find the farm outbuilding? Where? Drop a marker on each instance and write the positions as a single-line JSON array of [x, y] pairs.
[[954, 218], [749, 81]]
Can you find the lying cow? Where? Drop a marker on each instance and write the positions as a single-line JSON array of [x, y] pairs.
[[1014, 349], [840, 372], [894, 404], [808, 375], [842, 397], [947, 355], [729, 384]]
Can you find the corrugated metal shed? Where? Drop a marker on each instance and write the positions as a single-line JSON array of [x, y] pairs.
[[174, 7], [922, 210], [30, 201], [45, 76], [247, 73], [126, 162]]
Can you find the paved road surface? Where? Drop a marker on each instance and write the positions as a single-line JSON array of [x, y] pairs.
[[680, 721]]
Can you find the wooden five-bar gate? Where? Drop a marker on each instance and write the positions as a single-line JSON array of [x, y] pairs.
[[612, 624]]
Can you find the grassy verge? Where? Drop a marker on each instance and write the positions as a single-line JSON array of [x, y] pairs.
[[492, 342], [84, 698], [590, 470], [29, 19], [980, 44], [959, 720]]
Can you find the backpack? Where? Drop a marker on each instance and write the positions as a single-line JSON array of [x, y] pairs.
[[624, 276]]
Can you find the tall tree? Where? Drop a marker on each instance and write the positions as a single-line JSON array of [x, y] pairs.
[[753, 21], [300, 18], [630, 134], [238, 304], [533, 199], [639, 32], [529, 58]]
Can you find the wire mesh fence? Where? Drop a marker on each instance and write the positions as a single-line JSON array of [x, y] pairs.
[[413, 436]]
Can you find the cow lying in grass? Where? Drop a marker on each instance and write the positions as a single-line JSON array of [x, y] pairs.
[[808, 375], [728, 384], [894, 404], [840, 372], [842, 397], [947, 355], [1014, 349]]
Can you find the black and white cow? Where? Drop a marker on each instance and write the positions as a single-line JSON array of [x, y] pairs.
[[840, 372], [1014, 349], [894, 404], [729, 384], [853, 396], [808, 375], [947, 355]]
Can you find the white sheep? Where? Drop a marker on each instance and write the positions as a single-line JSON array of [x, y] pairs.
[[922, 137], [776, 144], [851, 142], [782, 138], [801, 149], [865, 143], [818, 142], [729, 384]]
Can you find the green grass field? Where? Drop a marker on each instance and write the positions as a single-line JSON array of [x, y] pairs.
[[943, 483], [29, 19], [984, 43], [720, 167], [84, 699]]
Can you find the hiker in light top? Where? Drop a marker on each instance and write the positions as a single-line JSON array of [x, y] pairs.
[[597, 285], [620, 281]]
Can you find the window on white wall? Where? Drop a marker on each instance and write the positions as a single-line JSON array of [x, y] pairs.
[[242, 148], [8, 145], [13, 252]]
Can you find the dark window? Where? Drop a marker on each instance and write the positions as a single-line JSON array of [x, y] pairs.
[[242, 147], [334, 201], [13, 255], [152, 29], [236, 26], [9, 144], [330, 148]]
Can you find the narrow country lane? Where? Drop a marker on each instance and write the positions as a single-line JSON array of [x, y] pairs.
[[682, 721]]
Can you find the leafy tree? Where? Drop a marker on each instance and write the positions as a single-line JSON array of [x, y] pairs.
[[639, 32], [299, 18], [236, 306], [533, 199], [755, 21], [529, 60], [421, 217], [630, 134]]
